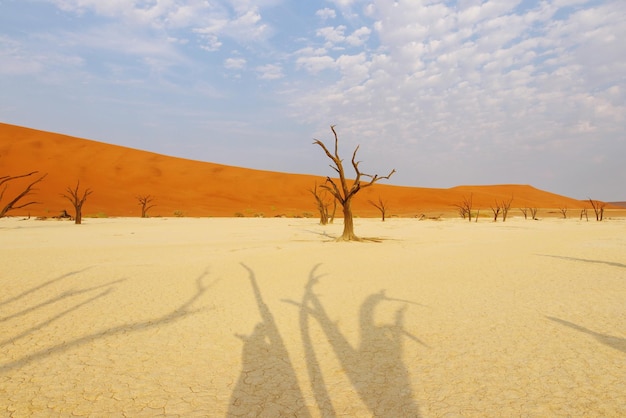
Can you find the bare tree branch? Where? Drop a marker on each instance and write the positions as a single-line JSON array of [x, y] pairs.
[[13, 203], [342, 191], [77, 200]]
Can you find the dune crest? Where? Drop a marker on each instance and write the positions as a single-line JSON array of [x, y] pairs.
[[117, 175]]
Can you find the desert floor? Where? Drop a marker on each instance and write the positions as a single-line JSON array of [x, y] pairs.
[[270, 317]]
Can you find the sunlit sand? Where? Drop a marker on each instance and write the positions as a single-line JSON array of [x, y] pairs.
[[270, 317]]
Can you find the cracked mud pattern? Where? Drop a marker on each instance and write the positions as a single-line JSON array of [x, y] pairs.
[[213, 331]]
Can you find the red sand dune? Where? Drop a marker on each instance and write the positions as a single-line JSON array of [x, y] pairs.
[[118, 174]]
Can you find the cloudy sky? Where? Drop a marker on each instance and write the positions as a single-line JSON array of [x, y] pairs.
[[447, 92]]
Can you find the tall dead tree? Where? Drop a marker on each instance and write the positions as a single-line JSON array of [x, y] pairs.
[[145, 203], [14, 203], [342, 191], [77, 200], [598, 208], [381, 206]]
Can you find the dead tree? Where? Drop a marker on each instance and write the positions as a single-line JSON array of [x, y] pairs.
[[525, 212], [496, 211], [342, 192], [77, 200], [563, 212], [583, 212], [506, 206], [14, 203], [380, 206], [145, 203], [533, 213], [465, 207], [322, 205], [598, 208]]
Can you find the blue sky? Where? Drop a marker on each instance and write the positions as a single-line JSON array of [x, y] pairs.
[[447, 92]]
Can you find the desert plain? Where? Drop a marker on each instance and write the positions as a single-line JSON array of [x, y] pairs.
[[270, 317]]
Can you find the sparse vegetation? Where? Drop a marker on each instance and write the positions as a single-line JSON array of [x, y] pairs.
[[14, 203], [563, 211], [342, 192], [77, 200], [179, 213]]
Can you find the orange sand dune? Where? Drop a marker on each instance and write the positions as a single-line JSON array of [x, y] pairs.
[[193, 188]]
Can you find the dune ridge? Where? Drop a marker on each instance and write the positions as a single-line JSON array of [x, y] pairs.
[[117, 175]]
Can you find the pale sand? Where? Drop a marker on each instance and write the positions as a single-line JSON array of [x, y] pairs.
[[151, 317]]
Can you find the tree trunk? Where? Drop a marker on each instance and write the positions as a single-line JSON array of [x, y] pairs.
[[78, 219], [348, 223]]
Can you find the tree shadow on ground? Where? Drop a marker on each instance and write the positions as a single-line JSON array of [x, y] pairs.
[[39, 287], [267, 385], [375, 367], [585, 260], [613, 342], [180, 312]]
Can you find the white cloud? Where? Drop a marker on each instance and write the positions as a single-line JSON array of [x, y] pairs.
[[235, 63], [482, 74], [270, 72], [326, 13]]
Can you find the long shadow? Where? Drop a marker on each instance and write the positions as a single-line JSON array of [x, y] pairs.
[[267, 385], [375, 367], [39, 287], [180, 312], [613, 342], [585, 260], [64, 295]]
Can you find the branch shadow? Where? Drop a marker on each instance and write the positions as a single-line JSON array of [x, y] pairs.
[[613, 342], [39, 287], [180, 312], [609, 263], [267, 385], [375, 367]]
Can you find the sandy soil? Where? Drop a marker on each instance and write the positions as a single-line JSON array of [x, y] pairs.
[[270, 317]]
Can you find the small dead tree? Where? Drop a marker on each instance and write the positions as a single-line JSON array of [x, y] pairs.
[[563, 211], [14, 203], [342, 192], [145, 203], [465, 207], [598, 208], [496, 211], [380, 206], [77, 200], [322, 205], [533, 213], [506, 206], [525, 212], [583, 212]]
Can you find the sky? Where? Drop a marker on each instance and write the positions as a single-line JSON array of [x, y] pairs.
[[446, 92]]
